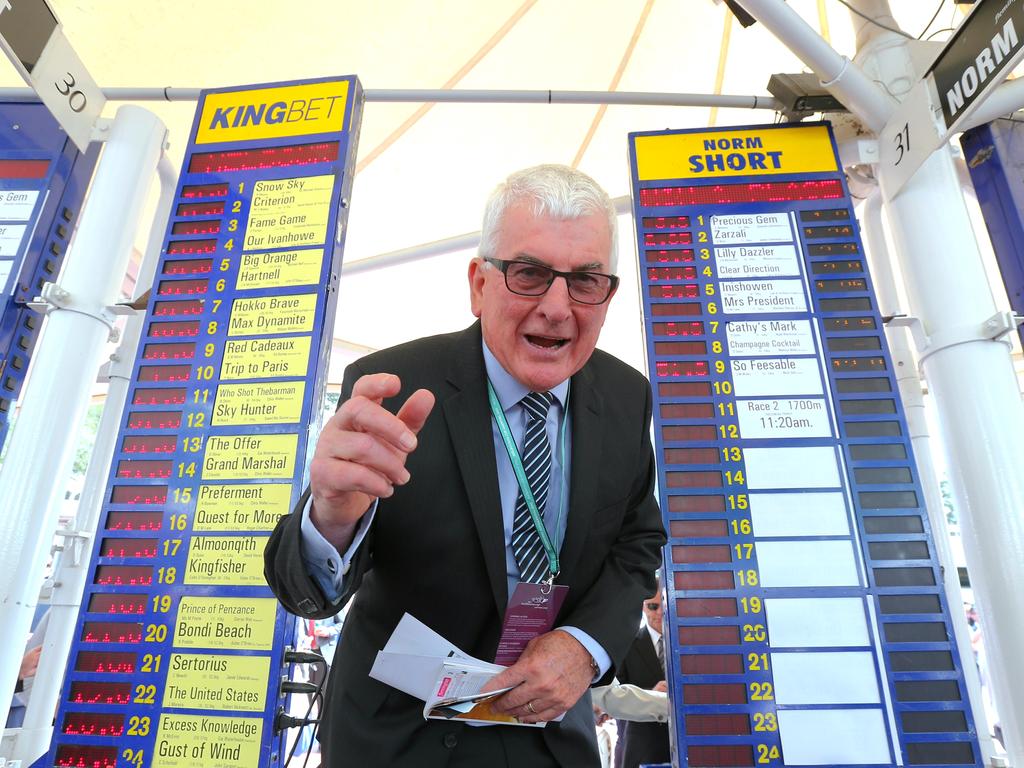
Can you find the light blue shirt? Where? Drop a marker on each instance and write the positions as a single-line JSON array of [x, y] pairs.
[[325, 564]]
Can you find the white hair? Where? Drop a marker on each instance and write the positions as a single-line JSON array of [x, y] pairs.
[[557, 191]]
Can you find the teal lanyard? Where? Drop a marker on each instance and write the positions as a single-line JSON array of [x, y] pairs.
[[524, 485]]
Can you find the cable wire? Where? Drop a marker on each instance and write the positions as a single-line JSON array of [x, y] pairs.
[[934, 17], [877, 23], [318, 695]]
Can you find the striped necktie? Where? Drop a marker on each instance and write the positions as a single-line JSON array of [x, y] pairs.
[[536, 455]]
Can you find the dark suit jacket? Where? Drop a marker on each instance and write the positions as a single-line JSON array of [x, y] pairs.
[[645, 742], [437, 550]]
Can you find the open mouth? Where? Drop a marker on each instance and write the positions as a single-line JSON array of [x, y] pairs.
[[546, 342]]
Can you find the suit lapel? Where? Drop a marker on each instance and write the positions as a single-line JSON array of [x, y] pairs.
[[649, 654], [469, 425], [587, 442]]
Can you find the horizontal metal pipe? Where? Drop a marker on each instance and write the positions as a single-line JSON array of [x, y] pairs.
[[631, 98]]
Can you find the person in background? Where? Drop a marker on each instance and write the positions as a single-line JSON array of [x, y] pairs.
[[644, 666], [415, 504]]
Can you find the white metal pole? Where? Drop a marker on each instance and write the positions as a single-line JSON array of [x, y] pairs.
[[69, 580], [980, 409], [909, 382], [39, 457], [837, 73]]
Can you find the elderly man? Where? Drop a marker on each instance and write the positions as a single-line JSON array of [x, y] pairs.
[[462, 469]]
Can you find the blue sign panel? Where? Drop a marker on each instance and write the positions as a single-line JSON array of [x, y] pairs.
[[178, 654], [805, 611], [43, 178]]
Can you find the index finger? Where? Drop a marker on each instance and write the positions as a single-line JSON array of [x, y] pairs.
[[377, 386]]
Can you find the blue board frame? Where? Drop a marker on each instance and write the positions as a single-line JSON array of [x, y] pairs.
[[30, 134], [224, 299], [722, 678]]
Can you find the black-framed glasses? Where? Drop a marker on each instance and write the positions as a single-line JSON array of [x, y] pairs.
[[529, 279], [653, 606]]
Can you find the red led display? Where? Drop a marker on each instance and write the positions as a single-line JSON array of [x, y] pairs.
[[666, 222], [704, 580], [80, 756], [110, 662], [156, 419], [138, 494], [701, 554], [695, 529], [673, 291], [693, 479], [678, 329], [717, 725], [679, 368], [197, 191], [186, 247], [182, 351], [123, 575], [684, 388], [858, 363], [841, 286], [687, 432], [706, 607], [670, 257], [725, 756], [177, 308], [676, 310], [844, 230], [711, 664], [836, 267], [655, 239], [182, 287], [24, 169], [687, 411], [92, 724], [850, 324], [671, 273], [135, 521], [174, 329], [118, 604], [720, 693], [139, 468], [200, 209], [111, 632], [83, 692], [694, 504], [260, 159], [721, 194], [831, 249], [720, 635], [142, 548], [692, 456], [149, 444], [164, 373], [207, 227], [680, 348], [188, 266]]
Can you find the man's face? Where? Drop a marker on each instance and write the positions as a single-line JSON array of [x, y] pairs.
[[655, 614], [541, 340]]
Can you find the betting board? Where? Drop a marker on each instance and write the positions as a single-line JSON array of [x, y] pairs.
[[805, 611], [177, 657], [43, 178]]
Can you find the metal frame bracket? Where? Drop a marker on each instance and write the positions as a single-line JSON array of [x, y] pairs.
[[995, 328], [53, 298]]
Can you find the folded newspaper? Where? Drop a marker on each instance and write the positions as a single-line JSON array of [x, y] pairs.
[[421, 663]]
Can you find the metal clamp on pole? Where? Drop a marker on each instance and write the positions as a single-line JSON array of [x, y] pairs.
[[996, 328], [53, 298], [75, 544]]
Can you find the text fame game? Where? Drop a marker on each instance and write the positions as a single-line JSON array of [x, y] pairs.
[[805, 612], [177, 658]]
